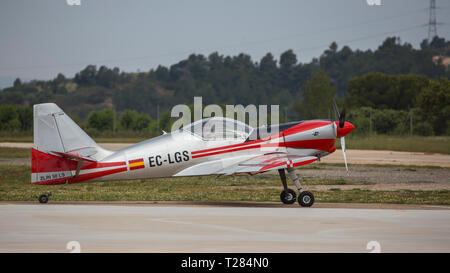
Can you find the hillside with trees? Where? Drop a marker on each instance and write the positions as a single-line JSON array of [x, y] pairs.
[[383, 90]]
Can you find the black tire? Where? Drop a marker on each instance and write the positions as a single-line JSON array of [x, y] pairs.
[[288, 197], [306, 199], [43, 198]]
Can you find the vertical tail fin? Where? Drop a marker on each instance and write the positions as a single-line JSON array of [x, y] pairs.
[[57, 132], [57, 135]]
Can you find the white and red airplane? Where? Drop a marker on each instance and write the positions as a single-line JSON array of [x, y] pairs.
[[64, 154]]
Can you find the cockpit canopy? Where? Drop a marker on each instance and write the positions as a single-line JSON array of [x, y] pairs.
[[219, 128]]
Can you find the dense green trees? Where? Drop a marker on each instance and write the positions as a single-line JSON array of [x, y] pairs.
[[101, 120], [434, 103], [132, 120], [16, 118], [394, 76], [317, 97], [381, 91], [393, 98]]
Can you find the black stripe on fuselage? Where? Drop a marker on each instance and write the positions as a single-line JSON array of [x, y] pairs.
[[262, 132]]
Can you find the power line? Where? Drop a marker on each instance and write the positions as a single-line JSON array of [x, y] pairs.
[[365, 37], [352, 25]]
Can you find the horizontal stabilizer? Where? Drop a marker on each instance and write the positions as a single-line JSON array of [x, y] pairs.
[[74, 157]]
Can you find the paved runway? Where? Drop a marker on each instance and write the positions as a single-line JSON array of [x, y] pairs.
[[165, 228]]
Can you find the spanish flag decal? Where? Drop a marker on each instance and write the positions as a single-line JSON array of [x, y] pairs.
[[136, 164]]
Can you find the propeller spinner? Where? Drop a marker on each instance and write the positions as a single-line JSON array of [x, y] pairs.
[[343, 128]]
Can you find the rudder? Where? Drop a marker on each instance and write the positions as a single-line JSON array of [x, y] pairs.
[[56, 134]]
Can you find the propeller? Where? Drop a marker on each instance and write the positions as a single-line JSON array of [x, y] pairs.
[[343, 152], [341, 118]]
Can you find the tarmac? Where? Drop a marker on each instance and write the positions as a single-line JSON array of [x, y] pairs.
[[221, 227]]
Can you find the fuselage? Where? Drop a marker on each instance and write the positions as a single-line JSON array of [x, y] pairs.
[[169, 154], [186, 152]]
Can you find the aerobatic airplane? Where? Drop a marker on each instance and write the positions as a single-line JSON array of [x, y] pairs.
[[64, 154]]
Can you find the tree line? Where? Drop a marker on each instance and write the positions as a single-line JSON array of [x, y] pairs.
[[376, 103], [393, 80]]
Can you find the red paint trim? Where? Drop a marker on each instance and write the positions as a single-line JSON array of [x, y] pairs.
[[228, 146], [137, 167], [286, 163], [81, 177], [69, 155], [228, 151], [44, 162], [304, 162], [89, 176], [307, 125], [272, 166], [135, 160], [57, 181], [316, 144]]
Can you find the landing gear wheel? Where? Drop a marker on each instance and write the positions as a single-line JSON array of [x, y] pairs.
[[43, 198], [288, 197], [306, 199]]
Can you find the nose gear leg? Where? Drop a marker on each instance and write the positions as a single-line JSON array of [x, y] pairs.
[[294, 178], [305, 198]]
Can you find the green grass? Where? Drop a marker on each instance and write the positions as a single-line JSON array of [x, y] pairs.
[[435, 144], [14, 186], [14, 152]]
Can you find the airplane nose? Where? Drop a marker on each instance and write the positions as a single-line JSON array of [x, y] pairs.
[[348, 127]]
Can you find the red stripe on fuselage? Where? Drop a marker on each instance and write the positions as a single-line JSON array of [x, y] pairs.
[[316, 144], [136, 160], [307, 125], [285, 163], [44, 162], [229, 146], [89, 176], [230, 150], [81, 177]]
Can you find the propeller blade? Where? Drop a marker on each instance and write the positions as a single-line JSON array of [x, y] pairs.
[[336, 111], [342, 119], [343, 152]]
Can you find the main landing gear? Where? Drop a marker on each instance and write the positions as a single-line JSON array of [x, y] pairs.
[[288, 196], [43, 198]]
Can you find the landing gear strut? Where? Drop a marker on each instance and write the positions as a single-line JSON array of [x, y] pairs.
[[288, 196], [43, 198]]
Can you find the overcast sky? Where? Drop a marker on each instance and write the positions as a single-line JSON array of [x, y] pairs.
[[40, 38]]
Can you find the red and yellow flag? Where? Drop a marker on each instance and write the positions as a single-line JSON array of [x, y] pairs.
[[136, 164]]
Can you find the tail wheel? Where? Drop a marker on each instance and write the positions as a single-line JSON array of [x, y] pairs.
[[306, 199], [43, 198], [288, 197]]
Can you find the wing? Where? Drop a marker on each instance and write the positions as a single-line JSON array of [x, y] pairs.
[[269, 162], [246, 164]]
